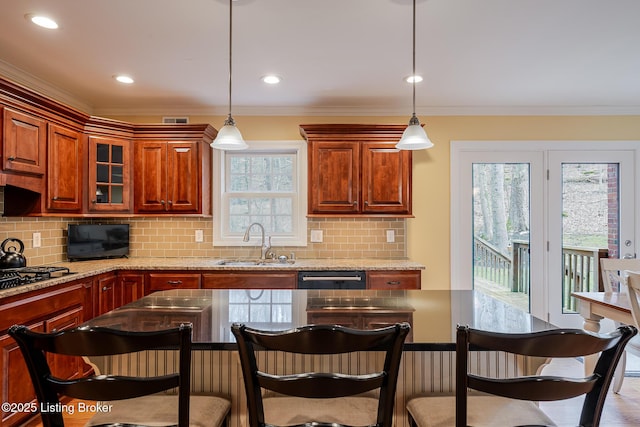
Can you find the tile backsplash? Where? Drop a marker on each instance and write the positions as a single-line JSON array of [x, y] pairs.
[[174, 237]]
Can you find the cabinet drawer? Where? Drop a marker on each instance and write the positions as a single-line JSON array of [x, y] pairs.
[[394, 279], [165, 281], [250, 280]]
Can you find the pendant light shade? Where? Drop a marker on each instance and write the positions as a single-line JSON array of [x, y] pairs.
[[229, 137], [414, 136]]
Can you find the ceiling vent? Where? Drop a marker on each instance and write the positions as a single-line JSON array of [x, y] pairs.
[[175, 120]]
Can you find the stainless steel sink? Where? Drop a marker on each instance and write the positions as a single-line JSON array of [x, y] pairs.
[[249, 262], [240, 263]]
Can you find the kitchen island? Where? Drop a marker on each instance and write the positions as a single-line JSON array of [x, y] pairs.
[[428, 360]]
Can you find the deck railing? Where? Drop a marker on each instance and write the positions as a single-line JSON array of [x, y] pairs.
[[581, 268]]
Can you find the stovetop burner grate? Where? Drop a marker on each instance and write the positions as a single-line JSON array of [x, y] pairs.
[[12, 277]]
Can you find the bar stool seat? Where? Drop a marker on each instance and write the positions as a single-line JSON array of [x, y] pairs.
[[158, 410], [351, 410], [483, 411]]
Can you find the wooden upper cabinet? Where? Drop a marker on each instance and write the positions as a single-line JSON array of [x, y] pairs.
[[334, 177], [386, 179], [64, 169], [355, 170], [168, 177], [109, 182], [24, 143], [183, 177]]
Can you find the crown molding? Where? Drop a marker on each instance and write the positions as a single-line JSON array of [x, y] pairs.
[[42, 87]]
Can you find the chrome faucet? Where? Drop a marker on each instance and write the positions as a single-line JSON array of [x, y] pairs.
[[266, 242]]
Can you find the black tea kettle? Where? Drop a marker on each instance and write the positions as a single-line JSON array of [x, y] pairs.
[[10, 257]]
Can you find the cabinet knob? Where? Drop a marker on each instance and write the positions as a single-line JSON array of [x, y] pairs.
[[106, 288], [162, 202], [54, 198], [355, 202], [94, 201], [170, 202], [11, 158]]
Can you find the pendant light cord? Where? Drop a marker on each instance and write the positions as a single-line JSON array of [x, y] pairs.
[[414, 58], [229, 118]]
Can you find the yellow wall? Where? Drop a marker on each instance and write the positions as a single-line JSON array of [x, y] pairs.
[[428, 233]]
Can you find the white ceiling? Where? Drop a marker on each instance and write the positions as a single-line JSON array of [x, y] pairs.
[[335, 56]]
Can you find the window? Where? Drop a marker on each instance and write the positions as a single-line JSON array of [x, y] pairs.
[[267, 184]]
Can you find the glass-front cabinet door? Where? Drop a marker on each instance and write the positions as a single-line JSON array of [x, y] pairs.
[[109, 175]]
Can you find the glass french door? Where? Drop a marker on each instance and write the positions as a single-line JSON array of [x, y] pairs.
[[529, 222], [591, 216], [498, 225]]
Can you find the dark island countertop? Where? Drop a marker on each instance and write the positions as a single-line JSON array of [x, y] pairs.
[[433, 314]]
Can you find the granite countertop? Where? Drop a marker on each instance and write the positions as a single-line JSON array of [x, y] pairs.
[[434, 314], [82, 269]]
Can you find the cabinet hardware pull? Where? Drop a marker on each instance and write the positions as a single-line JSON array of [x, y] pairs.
[[393, 282], [11, 158], [170, 202], [54, 198], [174, 282], [106, 288], [162, 202]]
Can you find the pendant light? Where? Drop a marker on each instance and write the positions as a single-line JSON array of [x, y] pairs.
[[229, 137], [414, 137]]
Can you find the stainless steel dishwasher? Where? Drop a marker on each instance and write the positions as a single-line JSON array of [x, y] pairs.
[[344, 279]]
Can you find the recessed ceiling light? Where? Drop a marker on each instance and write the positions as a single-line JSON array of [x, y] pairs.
[[42, 21], [123, 79], [413, 79], [271, 79]]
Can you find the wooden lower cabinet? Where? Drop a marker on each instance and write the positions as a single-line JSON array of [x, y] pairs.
[[108, 295], [250, 280], [131, 287], [46, 310], [394, 279], [16, 386], [65, 366], [166, 281]]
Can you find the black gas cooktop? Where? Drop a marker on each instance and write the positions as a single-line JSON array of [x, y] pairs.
[[12, 277]]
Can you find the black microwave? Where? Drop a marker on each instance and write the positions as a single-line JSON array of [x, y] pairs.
[[96, 241]]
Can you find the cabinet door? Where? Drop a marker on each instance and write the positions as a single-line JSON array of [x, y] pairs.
[[107, 294], [65, 366], [64, 167], [390, 280], [24, 143], [334, 177], [183, 177], [15, 384], [386, 179], [249, 280], [131, 287], [109, 175], [165, 281], [150, 176]]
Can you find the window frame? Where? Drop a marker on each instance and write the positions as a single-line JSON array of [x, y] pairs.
[[222, 237]]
